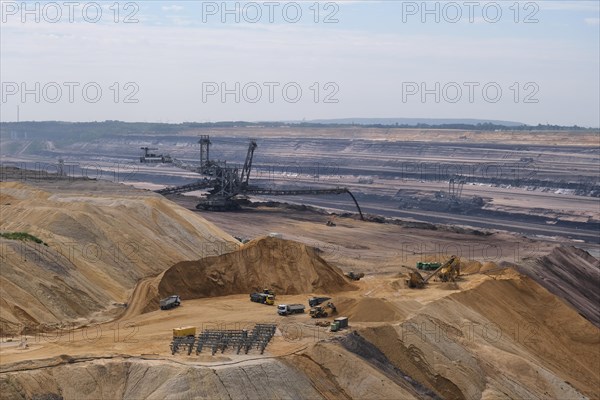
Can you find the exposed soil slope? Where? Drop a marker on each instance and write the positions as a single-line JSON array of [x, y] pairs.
[[507, 337], [572, 274], [145, 379], [97, 246]]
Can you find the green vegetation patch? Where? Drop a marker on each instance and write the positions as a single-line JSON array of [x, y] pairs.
[[21, 236]]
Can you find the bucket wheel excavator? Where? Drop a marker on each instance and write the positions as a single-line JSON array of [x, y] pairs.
[[226, 182]]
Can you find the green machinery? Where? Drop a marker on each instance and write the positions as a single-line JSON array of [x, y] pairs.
[[428, 266]]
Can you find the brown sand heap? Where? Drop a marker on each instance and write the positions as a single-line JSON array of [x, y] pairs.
[[448, 286], [469, 266], [368, 309], [473, 267], [285, 266]]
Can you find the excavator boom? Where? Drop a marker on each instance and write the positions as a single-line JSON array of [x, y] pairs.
[[451, 263], [248, 163]]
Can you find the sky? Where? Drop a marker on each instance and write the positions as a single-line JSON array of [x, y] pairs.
[[154, 61]]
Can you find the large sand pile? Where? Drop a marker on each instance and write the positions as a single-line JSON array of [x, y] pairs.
[[97, 247], [285, 266], [469, 266], [368, 309]]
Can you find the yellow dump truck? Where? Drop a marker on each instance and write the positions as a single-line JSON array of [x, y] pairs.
[[184, 331]]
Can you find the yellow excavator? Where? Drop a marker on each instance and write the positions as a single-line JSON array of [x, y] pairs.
[[448, 271], [321, 312]]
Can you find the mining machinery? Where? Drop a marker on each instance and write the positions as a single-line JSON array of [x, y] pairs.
[[315, 301], [170, 302], [225, 182], [355, 276], [263, 298], [448, 271], [321, 311], [150, 158], [455, 187]]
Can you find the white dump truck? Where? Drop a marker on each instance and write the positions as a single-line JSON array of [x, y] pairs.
[[287, 309], [170, 302]]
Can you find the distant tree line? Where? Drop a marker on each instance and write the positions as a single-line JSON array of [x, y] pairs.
[[83, 131]]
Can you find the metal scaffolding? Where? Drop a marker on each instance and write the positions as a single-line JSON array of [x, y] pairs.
[[220, 340]]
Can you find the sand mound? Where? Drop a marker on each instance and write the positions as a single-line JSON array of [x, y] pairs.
[[448, 286], [469, 267], [368, 309], [399, 284], [97, 247], [573, 275], [475, 267], [488, 266], [284, 266]]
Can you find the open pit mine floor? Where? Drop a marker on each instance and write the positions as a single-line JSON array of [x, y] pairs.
[[508, 328], [488, 336]]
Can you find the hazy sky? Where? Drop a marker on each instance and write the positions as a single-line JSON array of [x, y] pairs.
[[533, 62]]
